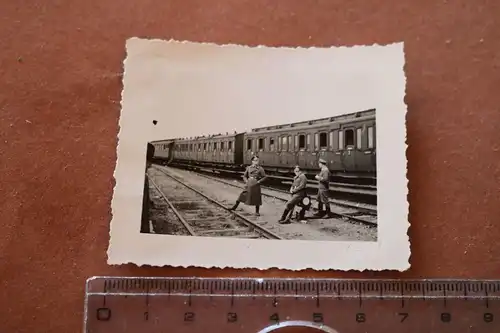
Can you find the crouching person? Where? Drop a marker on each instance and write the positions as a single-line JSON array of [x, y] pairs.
[[298, 192]]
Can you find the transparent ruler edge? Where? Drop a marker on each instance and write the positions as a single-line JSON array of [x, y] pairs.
[[227, 286], [355, 288]]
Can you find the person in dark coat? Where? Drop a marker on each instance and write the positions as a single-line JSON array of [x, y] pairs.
[[254, 175], [323, 179], [298, 192]]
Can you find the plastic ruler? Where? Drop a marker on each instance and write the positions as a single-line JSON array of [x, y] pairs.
[[195, 305]]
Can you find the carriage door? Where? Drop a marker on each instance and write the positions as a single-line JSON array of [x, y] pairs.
[[369, 153], [248, 151], [286, 155], [348, 153], [321, 146]]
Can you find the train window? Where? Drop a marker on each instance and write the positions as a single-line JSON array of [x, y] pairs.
[[323, 140], [370, 137], [358, 138], [261, 144], [230, 145], [331, 140], [349, 138], [215, 146], [249, 144], [316, 141], [205, 146], [341, 140], [296, 140], [271, 144], [290, 143], [222, 146], [302, 141]]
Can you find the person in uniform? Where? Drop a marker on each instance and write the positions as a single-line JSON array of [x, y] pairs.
[[254, 175], [298, 192], [323, 179]]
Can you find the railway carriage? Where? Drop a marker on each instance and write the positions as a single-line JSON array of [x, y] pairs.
[[208, 150], [346, 142], [163, 150], [182, 149]]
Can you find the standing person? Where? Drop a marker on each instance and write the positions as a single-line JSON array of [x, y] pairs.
[[323, 179], [298, 192], [254, 175]]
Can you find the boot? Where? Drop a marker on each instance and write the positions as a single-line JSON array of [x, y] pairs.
[[301, 215], [328, 212], [257, 208], [320, 212], [284, 218], [235, 206]]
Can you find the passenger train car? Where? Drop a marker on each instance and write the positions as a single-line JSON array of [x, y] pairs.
[[346, 142]]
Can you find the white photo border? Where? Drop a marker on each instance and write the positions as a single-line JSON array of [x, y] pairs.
[[390, 252]]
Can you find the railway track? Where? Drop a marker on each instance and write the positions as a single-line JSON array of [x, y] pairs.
[[364, 210], [345, 216], [201, 215], [352, 188]]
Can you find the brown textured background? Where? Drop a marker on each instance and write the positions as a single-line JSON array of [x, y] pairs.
[[60, 86]]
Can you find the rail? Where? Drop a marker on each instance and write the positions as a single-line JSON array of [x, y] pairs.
[[176, 212], [342, 187], [344, 216], [249, 223]]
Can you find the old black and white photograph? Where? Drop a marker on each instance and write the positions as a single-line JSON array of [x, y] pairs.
[[258, 157], [311, 180]]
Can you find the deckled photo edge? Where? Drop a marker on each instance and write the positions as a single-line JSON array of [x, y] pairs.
[[119, 252]]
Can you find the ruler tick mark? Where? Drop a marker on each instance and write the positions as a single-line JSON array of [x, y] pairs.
[[232, 295]]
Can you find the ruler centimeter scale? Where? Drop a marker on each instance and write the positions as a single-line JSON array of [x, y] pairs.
[[252, 305]]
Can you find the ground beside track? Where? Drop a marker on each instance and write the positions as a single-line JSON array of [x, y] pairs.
[[314, 229]]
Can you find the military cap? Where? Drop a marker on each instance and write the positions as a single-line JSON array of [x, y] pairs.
[[322, 161]]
